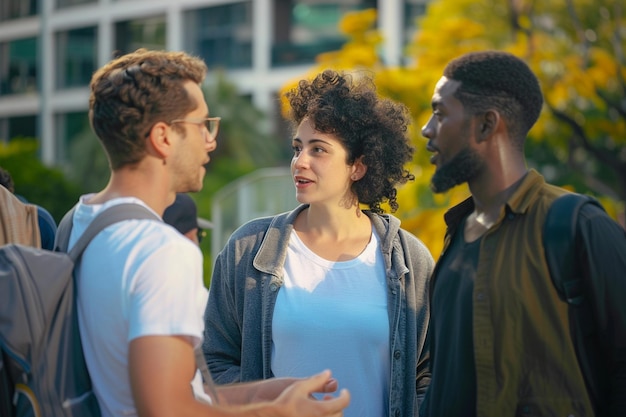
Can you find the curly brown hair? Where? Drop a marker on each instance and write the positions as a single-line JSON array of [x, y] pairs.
[[133, 92], [369, 126]]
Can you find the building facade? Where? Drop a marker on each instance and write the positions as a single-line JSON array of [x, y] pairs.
[[50, 48]]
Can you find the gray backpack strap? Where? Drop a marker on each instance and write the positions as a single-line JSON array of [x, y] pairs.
[[62, 236], [114, 214]]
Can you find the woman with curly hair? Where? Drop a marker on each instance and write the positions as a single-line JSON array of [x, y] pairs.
[[334, 284]]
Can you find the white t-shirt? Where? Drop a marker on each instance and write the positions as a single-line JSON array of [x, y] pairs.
[[333, 315], [136, 278]]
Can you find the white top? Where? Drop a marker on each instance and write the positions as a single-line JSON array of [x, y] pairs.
[[333, 315], [136, 278]]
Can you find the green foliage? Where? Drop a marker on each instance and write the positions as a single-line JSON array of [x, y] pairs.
[[243, 145], [574, 46], [244, 136], [576, 49], [223, 170], [88, 165], [36, 182]]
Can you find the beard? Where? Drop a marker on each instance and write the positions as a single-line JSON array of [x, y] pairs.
[[462, 168]]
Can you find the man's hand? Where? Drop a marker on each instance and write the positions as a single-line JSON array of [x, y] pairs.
[[265, 390], [297, 399], [161, 369]]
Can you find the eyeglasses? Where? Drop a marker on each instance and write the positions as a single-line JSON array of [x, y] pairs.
[[211, 124]]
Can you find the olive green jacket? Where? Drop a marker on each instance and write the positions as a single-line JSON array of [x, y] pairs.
[[525, 359]]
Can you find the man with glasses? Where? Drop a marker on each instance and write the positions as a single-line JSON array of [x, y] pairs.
[[141, 297], [211, 124]]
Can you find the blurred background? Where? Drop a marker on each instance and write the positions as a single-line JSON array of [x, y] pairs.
[[257, 49]]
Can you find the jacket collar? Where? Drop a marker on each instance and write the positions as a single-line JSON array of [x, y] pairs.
[[271, 255], [517, 203]]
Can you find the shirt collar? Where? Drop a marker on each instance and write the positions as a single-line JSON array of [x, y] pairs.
[[517, 203]]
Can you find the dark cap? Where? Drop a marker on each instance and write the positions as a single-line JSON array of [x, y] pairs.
[[183, 215]]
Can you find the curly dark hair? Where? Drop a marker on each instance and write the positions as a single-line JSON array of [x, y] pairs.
[[369, 126], [497, 79], [133, 92]]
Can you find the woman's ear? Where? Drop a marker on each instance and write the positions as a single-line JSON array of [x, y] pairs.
[[358, 169]]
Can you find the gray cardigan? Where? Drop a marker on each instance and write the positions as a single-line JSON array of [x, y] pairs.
[[248, 273]]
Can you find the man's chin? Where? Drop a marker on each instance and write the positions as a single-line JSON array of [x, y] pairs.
[[442, 185], [193, 188], [435, 189]]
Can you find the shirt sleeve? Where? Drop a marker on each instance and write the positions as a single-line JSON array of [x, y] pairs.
[[167, 296], [604, 253]]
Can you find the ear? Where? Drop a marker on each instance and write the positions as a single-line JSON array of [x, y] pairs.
[[358, 169], [487, 124], [159, 140]]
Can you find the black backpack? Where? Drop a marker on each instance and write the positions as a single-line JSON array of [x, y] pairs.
[[42, 367], [559, 241]]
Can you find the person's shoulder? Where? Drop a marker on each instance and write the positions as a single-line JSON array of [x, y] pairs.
[[153, 232], [251, 231], [593, 210], [414, 243], [46, 216], [391, 223], [258, 226], [596, 217], [47, 227], [153, 241], [539, 199]]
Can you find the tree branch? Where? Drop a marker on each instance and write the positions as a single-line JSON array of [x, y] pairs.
[[602, 155], [613, 104]]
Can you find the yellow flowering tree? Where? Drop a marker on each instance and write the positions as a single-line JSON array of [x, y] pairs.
[[576, 47]]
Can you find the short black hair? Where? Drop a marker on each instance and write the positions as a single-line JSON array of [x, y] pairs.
[[502, 80]]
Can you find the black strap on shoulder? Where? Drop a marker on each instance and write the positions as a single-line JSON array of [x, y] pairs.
[[567, 273], [559, 238]]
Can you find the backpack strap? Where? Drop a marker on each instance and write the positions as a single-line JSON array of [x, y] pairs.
[[111, 215], [115, 214], [62, 237], [559, 241]]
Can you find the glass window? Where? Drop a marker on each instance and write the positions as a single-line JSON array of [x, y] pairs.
[[15, 9], [69, 3], [18, 127], [146, 33], [305, 28], [413, 9], [18, 66], [221, 35], [70, 127], [76, 57]]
